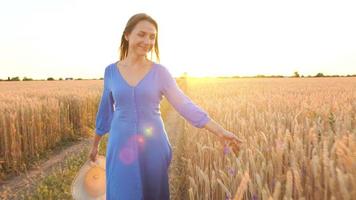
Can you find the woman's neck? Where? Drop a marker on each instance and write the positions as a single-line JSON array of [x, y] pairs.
[[134, 60]]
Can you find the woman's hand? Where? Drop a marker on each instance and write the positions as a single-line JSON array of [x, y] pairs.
[[93, 154], [231, 139], [224, 135]]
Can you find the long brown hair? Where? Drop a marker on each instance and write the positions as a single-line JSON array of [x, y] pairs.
[[124, 46]]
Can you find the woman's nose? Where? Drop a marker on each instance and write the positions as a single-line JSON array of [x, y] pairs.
[[147, 41]]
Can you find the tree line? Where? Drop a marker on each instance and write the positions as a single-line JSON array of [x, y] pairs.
[[295, 75], [16, 78]]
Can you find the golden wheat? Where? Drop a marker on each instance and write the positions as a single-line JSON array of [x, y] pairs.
[[300, 138]]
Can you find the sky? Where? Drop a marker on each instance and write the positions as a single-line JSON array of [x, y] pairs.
[[79, 38]]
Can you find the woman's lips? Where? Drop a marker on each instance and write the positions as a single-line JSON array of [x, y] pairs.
[[145, 49]]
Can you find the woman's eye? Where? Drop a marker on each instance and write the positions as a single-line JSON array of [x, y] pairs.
[[143, 35]]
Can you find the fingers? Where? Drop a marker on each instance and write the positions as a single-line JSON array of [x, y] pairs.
[[92, 163], [233, 137], [235, 145], [93, 158], [236, 139], [92, 155]]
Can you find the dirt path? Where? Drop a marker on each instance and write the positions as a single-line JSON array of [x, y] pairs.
[[30, 179]]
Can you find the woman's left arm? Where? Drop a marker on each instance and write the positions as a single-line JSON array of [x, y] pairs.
[[189, 110]]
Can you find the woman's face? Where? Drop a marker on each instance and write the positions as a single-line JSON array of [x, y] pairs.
[[142, 38]]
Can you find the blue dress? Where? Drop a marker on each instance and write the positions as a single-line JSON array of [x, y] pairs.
[[138, 150]]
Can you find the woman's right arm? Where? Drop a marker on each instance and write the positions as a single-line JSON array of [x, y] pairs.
[[106, 107], [95, 147], [96, 141], [104, 114]]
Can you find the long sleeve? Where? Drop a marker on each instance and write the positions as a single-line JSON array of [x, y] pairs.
[[195, 115], [106, 109]]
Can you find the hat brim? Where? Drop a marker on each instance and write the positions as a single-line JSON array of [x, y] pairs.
[[77, 187]]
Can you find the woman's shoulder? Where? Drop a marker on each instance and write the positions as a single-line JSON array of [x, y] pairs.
[[111, 65], [162, 69], [108, 70], [108, 67]]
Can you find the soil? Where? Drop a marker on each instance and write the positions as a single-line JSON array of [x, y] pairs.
[[30, 178]]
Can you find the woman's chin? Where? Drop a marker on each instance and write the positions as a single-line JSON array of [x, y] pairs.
[[141, 53]]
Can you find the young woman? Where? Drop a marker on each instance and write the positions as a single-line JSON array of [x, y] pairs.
[[138, 150]]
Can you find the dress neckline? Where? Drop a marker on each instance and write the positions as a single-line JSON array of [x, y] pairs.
[[142, 79]]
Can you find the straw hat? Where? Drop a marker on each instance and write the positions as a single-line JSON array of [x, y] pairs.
[[89, 183]]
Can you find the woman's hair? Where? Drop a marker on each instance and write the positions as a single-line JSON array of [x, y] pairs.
[[124, 46]]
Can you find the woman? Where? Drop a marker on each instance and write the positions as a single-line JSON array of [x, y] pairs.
[[138, 150]]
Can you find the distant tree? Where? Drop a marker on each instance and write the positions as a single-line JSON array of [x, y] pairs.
[[184, 75], [27, 79], [79, 79], [60, 79], [15, 78], [296, 74], [50, 79], [319, 75], [276, 76]]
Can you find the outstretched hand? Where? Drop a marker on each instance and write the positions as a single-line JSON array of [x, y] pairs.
[[232, 140]]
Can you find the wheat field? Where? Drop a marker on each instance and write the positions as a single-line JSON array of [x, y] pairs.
[[300, 139], [37, 115], [300, 134]]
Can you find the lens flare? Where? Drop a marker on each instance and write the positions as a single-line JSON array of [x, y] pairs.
[[135, 144], [148, 131], [128, 155], [140, 139]]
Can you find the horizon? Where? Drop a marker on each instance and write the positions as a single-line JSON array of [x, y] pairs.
[[188, 76]]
